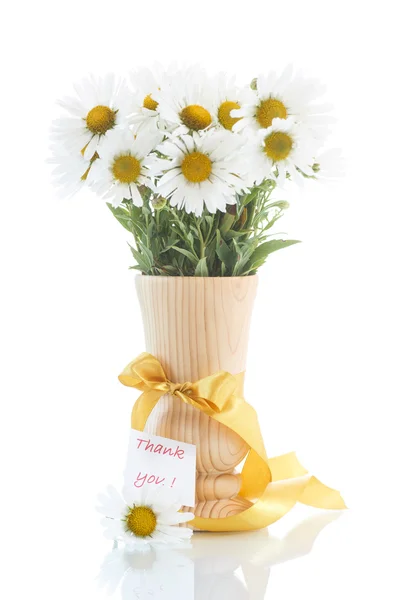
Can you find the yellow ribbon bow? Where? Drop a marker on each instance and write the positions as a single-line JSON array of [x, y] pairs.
[[275, 485]]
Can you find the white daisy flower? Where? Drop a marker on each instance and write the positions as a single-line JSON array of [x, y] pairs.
[[187, 102], [200, 170], [121, 168], [142, 521], [282, 149], [329, 165], [101, 105], [230, 97], [282, 97], [70, 171], [145, 116]]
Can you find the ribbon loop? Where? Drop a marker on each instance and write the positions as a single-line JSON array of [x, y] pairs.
[[275, 485]]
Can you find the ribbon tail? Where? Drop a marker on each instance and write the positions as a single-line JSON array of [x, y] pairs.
[[278, 499], [291, 484], [256, 475], [318, 495], [143, 407], [281, 496], [315, 493], [286, 466]]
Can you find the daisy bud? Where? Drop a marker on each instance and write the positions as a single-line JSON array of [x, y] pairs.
[[159, 202]]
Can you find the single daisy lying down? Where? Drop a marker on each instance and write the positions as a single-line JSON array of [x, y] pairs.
[[147, 519]]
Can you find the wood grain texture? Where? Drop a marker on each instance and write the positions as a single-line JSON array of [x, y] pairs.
[[197, 326]]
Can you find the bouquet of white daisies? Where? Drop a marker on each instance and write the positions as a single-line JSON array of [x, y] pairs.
[[188, 163]]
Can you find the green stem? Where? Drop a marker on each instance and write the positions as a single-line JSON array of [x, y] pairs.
[[201, 240], [133, 229]]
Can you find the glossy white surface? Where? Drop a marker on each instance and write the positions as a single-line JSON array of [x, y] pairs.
[[231, 565], [305, 557]]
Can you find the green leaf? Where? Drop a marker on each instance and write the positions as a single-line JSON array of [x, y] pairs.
[[282, 204], [171, 244], [142, 263], [168, 270], [250, 197], [136, 212], [267, 185], [139, 229], [209, 220], [201, 269], [224, 253], [237, 234], [210, 249], [245, 252], [147, 253], [123, 217], [193, 259], [227, 222], [146, 211], [272, 246], [260, 254], [272, 222]]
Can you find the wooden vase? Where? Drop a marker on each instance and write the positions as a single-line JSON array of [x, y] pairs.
[[197, 326]]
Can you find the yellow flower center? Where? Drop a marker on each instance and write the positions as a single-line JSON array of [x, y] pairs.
[[195, 117], [268, 110], [149, 103], [196, 167], [278, 145], [126, 168], [141, 521], [224, 114], [100, 119]]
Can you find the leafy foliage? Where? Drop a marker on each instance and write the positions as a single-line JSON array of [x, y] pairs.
[[232, 244]]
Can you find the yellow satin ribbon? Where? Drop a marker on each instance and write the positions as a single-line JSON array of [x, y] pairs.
[[274, 485]]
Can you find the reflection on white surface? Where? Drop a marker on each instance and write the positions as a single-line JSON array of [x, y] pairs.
[[215, 565], [155, 574]]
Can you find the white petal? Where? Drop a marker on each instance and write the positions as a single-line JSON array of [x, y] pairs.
[[91, 147], [169, 176], [111, 503], [113, 529], [136, 197]]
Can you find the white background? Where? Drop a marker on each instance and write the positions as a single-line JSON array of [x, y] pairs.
[[325, 327]]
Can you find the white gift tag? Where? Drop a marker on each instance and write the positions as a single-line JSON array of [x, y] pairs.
[[162, 463]]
